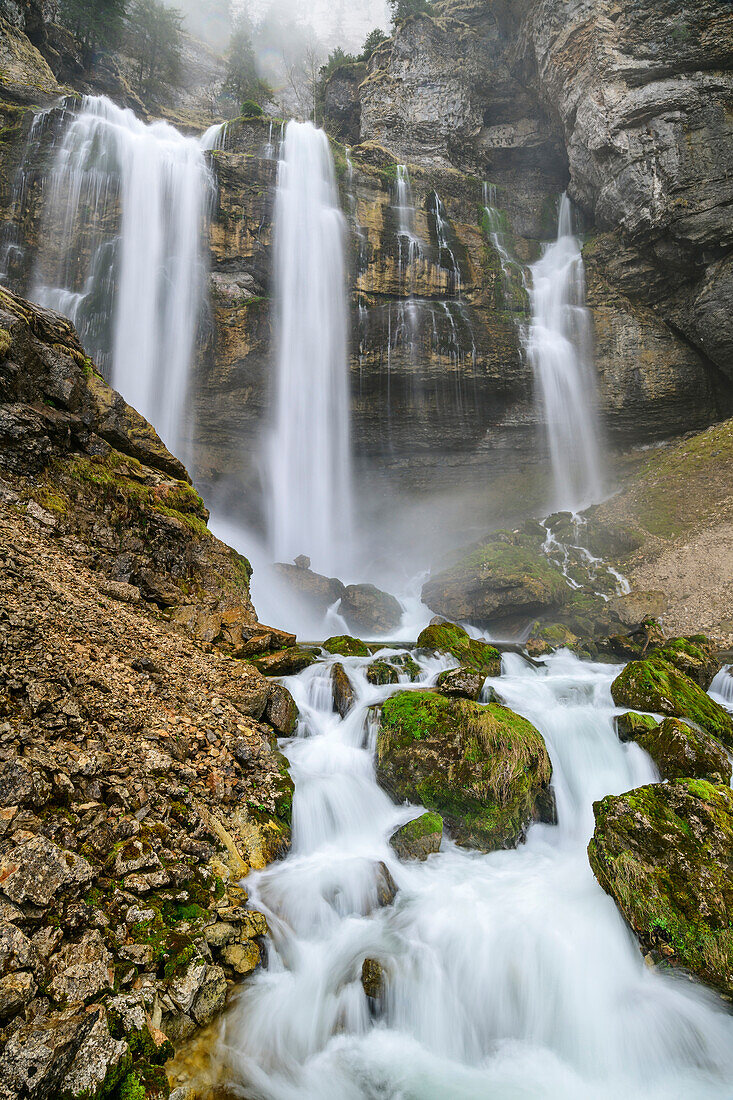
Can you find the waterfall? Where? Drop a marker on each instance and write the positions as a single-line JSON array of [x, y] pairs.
[[122, 251], [559, 348], [309, 456], [509, 975]]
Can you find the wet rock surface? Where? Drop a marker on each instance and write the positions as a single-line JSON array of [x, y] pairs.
[[658, 686], [452, 639], [664, 853], [418, 838]]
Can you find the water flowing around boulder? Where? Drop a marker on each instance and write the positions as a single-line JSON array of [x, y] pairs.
[[122, 252], [309, 457], [559, 347]]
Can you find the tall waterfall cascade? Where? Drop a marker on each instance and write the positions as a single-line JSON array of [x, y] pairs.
[[559, 348], [122, 251], [308, 454]]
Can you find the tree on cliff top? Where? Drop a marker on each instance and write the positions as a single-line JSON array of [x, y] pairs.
[[242, 80], [155, 41], [94, 23], [403, 9]]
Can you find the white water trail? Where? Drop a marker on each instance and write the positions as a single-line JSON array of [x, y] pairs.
[[309, 453], [559, 347], [721, 688], [122, 251], [510, 975]]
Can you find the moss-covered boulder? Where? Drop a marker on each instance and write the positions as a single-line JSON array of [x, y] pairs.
[[343, 645], [381, 673], [694, 656], [631, 726], [680, 751], [664, 853], [464, 682], [406, 666], [419, 838], [506, 579], [656, 685], [444, 637], [483, 768]]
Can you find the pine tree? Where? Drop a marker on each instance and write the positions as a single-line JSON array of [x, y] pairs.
[[96, 24], [155, 39]]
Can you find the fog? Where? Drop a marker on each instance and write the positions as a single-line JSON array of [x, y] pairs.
[[333, 22]]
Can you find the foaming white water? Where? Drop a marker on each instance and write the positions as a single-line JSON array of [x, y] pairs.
[[559, 347], [510, 975], [122, 251], [309, 458], [721, 688]]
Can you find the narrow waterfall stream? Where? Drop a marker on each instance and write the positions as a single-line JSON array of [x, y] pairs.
[[509, 975], [559, 347], [308, 455], [122, 252]]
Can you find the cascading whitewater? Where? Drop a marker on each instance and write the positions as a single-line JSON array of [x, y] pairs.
[[559, 347], [122, 251], [509, 975], [309, 457]]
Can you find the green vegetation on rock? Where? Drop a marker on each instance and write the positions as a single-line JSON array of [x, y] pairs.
[[483, 768], [655, 685], [664, 852], [453, 639], [419, 838], [380, 673], [694, 656], [343, 645]]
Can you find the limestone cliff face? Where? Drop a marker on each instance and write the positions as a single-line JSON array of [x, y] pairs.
[[644, 93]]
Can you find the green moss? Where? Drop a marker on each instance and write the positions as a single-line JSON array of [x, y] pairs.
[[381, 673], [655, 685], [481, 767], [453, 639], [132, 1088], [663, 853], [345, 646], [425, 825]]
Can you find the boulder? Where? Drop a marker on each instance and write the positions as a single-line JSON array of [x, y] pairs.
[[243, 958], [381, 673], [419, 838], [501, 582], [463, 682], [343, 645], [664, 853], [284, 662], [343, 693], [483, 768], [631, 726], [281, 711], [370, 611], [38, 1056], [37, 871], [386, 885], [694, 656], [680, 751], [406, 666], [317, 591], [655, 685], [99, 1062], [444, 637], [16, 990], [635, 608], [81, 970]]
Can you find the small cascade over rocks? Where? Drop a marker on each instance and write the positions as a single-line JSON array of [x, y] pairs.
[[308, 453], [122, 251], [559, 347], [506, 975]]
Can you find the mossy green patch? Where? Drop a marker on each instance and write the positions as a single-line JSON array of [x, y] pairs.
[[664, 852], [470, 652], [483, 768], [655, 685], [345, 646]]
